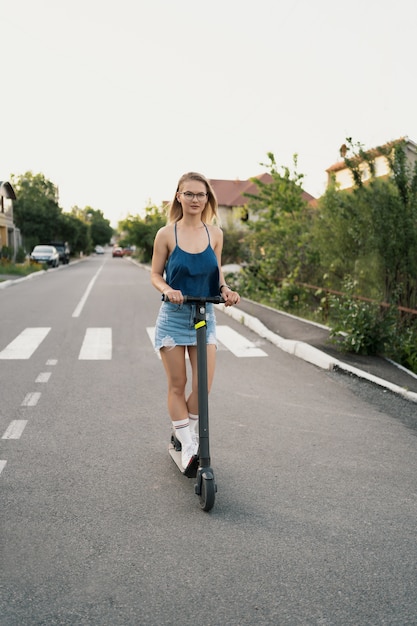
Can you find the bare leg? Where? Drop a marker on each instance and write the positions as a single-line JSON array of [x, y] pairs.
[[173, 360]]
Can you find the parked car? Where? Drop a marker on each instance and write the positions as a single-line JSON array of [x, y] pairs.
[[45, 254], [117, 251], [63, 250], [99, 250], [128, 251]]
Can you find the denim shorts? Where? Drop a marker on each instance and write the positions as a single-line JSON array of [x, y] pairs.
[[175, 325]]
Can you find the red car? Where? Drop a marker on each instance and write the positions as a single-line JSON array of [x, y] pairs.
[[117, 251]]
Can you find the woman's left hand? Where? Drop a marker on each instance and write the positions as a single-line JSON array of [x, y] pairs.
[[230, 297]]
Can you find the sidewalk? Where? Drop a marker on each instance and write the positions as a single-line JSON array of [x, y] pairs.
[[7, 280], [310, 342]]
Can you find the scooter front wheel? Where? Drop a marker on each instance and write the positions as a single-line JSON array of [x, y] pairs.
[[208, 491]]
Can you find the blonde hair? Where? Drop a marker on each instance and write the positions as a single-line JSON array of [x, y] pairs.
[[210, 211]]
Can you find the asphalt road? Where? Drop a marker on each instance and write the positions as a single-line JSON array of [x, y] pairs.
[[315, 516]]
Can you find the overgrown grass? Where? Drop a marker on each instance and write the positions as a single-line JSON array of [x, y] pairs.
[[21, 269]]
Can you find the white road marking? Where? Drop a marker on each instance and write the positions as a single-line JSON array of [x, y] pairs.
[[237, 343], [2, 465], [80, 305], [230, 339], [43, 377], [31, 399], [97, 345], [151, 334], [25, 344], [15, 429]]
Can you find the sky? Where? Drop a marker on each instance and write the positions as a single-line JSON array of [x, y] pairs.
[[113, 100]]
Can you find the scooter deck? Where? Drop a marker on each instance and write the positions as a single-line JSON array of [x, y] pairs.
[[191, 471]]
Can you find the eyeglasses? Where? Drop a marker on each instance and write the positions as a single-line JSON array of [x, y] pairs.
[[190, 196]]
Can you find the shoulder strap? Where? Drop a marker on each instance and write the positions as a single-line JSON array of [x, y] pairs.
[[208, 234]]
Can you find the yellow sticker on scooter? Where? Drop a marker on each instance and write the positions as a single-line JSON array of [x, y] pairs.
[[199, 324]]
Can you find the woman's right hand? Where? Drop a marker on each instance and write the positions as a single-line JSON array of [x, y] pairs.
[[173, 295]]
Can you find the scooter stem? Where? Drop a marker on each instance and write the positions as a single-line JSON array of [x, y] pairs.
[[203, 424]]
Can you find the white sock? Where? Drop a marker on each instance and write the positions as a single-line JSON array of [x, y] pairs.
[[193, 423], [182, 431]]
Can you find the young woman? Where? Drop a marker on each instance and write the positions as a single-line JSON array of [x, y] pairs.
[[187, 261]]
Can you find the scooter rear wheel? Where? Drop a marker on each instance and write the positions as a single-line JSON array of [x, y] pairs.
[[208, 492]]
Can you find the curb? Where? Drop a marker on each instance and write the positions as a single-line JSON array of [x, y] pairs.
[[14, 281], [310, 354]]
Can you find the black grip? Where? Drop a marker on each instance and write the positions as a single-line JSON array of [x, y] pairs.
[[198, 299], [203, 299]]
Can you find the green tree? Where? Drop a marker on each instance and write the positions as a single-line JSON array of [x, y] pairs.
[[370, 233], [36, 210], [96, 229], [398, 249], [100, 230], [75, 231], [279, 236], [141, 231], [342, 232]]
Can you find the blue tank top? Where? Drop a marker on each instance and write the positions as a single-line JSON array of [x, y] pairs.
[[193, 274]]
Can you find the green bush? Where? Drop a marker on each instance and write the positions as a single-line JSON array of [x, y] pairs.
[[362, 327], [295, 298], [6, 253], [20, 255], [235, 248], [403, 347], [408, 354]]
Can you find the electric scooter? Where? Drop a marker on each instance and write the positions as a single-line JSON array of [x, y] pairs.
[[205, 487]]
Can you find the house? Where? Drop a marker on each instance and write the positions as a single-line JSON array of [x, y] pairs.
[[9, 234], [232, 201], [343, 176]]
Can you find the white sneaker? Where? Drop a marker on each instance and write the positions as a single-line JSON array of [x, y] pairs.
[[196, 439], [188, 454]]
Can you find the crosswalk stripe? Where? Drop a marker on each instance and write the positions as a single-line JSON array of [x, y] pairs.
[[232, 340], [31, 399], [237, 343], [43, 377], [15, 429], [151, 334], [25, 344], [2, 465], [97, 345]]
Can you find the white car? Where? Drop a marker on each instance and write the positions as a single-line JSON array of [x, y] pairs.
[[45, 254]]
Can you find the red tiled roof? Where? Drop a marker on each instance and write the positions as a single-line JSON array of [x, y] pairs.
[[230, 192]]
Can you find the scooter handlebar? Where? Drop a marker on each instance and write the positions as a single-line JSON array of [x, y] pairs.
[[199, 299], [204, 299]]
